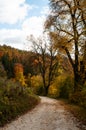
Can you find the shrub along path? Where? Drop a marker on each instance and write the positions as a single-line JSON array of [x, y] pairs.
[[50, 114]]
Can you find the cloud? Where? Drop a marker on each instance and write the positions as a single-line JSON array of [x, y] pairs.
[[11, 36], [34, 25], [13, 11], [17, 37]]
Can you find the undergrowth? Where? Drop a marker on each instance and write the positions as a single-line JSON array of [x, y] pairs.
[[78, 112], [15, 100]]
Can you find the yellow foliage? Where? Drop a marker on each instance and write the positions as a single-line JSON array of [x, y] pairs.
[[18, 69], [37, 84], [53, 90], [36, 81], [60, 42]]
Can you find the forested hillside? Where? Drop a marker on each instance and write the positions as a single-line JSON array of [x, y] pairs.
[[27, 66], [15, 97]]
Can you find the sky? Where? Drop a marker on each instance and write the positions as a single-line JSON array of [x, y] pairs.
[[21, 18]]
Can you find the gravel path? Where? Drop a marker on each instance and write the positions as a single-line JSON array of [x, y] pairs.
[[48, 115]]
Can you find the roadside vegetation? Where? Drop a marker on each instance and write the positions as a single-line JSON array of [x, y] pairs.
[[78, 112], [15, 99]]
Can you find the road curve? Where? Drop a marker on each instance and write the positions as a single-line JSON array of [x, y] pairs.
[[48, 115]]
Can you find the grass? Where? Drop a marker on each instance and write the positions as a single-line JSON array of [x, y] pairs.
[[15, 100], [17, 107], [78, 112]]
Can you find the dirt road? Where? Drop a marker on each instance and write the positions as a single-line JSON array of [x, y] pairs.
[[48, 115]]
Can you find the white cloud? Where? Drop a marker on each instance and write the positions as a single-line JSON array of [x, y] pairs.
[[34, 25], [12, 37], [12, 11], [17, 37]]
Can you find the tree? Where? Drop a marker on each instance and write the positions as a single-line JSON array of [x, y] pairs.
[[8, 65], [67, 27], [2, 71], [46, 59], [18, 70]]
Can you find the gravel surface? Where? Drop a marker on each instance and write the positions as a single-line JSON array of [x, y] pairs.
[[48, 115]]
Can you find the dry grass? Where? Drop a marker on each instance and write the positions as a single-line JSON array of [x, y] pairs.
[[78, 112]]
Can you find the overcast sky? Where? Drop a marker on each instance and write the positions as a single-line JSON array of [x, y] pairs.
[[19, 19]]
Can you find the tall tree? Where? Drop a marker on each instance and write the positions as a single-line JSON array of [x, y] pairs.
[[46, 59], [67, 27]]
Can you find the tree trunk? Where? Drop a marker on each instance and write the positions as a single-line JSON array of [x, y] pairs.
[[79, 75], [79, 78], [77, 82], [46, 88]]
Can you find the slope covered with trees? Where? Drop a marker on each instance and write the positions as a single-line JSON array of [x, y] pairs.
[[15, 97]]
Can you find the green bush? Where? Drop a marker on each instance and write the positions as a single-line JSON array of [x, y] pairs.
[[14, 100], [79, 98], [66, 88], [61, 87]]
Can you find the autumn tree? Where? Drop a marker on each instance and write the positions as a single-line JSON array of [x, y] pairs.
[[67, 29], [46, 59], [18, 70]]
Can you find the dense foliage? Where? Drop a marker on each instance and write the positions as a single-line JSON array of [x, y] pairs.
[[15, 99], [9, 56]]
